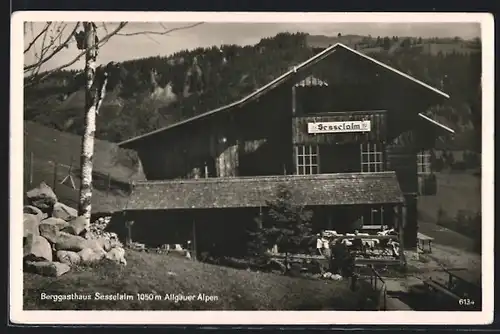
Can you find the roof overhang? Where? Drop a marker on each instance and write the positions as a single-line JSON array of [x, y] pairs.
[[255, 192], [435, 123]]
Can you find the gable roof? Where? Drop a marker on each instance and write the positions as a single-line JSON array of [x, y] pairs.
[[276, 82], [254, 192]]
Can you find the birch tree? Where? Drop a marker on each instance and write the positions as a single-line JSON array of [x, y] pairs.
[[52, 39]]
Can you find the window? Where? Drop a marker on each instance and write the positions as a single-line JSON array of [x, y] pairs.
[[307, 159], [424, 162], [372, 158]]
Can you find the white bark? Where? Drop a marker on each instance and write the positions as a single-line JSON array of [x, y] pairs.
[[85, 201]]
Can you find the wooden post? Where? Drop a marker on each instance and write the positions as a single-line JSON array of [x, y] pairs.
[[401, 226], [128, 226], [54, 183], [31, 169], [109, 184], [195, 250]]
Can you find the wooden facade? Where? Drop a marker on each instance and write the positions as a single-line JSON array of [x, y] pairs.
[[268, 135]]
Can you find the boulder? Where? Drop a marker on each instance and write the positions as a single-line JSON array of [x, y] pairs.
[[76, 226], [49, 228], [97, 244], [30, 225], [42, 197], [46, 268], [66, 241], [117, 255], [64, 212], [33, 210], [90, 255], [68, 257], [37, 248]]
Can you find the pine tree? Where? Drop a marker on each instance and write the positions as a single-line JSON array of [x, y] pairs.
[[286, 223]]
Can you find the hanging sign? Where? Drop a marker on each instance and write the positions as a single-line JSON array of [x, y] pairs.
[[339, 127]]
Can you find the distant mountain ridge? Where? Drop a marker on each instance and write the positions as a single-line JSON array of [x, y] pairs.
[[145, 94]]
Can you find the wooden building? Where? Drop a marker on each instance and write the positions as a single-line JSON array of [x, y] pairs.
[[342, 130]]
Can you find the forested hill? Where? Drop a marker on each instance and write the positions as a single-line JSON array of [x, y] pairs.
[[145, 94]]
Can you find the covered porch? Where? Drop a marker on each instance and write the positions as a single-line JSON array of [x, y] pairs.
[[219, 210]]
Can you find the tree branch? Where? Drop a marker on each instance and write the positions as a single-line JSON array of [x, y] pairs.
[[78, 57], [56, 51], [161, 32], [33, 68], [38, 36]]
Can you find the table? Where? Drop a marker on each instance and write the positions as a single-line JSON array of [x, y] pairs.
[[424, 239]]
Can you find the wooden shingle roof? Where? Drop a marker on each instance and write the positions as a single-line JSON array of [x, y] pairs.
[[236, 192]]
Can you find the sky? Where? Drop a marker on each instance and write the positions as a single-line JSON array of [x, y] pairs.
[[121, 48]]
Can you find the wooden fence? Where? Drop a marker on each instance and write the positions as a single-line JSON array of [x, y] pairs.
[[65, 179]]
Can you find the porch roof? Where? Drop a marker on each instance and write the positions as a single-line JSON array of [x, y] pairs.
[[240, 192]]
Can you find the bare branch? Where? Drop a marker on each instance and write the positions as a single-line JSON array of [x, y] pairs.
[[161, 32], [59, 48], [44, 30], [48, 52], [79, 56]]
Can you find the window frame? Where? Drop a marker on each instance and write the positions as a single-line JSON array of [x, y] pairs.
[[372, 157], [304, 155], [424, 162]]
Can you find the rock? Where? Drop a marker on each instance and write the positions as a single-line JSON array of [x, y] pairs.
[[64, 212], [46, 268], [117, 255], [68, 257], [49, 228], [37, 248], [42, 197], [77, 226], [70, 242], [33, 210], [105, 243], [30, 225], [89, 255]]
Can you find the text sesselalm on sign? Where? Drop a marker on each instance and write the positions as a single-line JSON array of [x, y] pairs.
[[339, 127]]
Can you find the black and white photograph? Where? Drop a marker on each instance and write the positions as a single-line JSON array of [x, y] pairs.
[[254, 162]]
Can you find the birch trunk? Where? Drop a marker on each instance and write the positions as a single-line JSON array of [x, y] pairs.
[[85, 200]]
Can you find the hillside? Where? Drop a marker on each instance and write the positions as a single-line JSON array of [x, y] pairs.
[[160, 275], [145, 94], [114, 167]]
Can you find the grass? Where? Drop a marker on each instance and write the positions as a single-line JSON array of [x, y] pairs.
[[152, 273], [52, 147], [456, 191]]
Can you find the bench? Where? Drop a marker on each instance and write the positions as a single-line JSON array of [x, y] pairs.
[[442, 289], [424, 240]]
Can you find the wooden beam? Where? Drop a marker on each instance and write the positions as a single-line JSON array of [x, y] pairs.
[[401, 226]]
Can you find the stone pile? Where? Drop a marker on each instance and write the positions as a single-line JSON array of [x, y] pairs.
[[55, 238]]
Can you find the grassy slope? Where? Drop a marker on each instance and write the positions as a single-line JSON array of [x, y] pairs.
[[456, 191], [145, 273], [50, 146]]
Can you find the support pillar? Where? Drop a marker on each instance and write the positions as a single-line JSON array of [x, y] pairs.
[[128, 227], [411, 222], [401, 230]]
